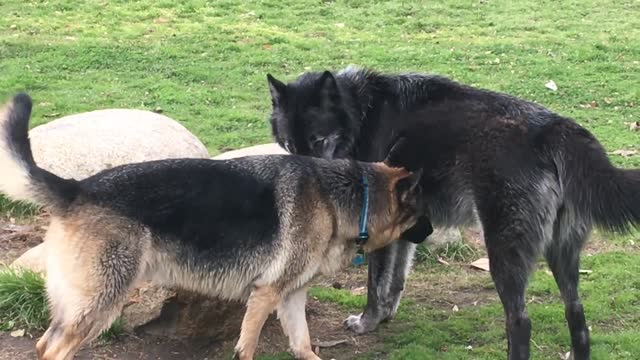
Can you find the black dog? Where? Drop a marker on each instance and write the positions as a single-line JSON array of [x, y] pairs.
[[537, 182]]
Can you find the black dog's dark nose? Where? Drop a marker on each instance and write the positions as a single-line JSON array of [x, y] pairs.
[[418, 232]]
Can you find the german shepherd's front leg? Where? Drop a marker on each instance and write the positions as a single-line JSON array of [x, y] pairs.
[[262, 302], [291, 313]]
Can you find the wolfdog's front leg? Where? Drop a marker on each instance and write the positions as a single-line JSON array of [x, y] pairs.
[[388, 269], [262, 302], [291, 313]]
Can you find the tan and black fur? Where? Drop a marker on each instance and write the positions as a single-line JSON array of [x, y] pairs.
[[255, 228]]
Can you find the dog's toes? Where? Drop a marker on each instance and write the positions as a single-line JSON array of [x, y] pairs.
[[359, 324]]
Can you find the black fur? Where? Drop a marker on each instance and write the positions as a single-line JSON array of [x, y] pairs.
[[537, 181], [63, 191]]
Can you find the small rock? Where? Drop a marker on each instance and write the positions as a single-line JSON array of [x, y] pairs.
[[18, 333], [33, 259]]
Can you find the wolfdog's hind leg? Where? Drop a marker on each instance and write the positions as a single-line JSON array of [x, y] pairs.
[[563, 257]]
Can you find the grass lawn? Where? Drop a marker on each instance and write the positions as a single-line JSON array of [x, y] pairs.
[[205, 64]]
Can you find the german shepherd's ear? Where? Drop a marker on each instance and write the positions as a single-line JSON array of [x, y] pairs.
[[277, 89], [408, 188]]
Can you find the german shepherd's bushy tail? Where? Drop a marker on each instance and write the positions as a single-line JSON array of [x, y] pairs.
[[609, 197], [20, 178]]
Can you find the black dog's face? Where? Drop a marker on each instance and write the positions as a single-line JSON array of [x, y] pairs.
[[308, 116]]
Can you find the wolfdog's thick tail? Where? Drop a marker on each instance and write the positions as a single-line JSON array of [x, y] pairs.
[[608, 195], [20, 178]]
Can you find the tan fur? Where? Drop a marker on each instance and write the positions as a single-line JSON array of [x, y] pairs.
[[93, 249], [261, 303]]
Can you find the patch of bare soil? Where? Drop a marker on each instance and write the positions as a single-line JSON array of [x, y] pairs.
[[325, 324], [16, 238]]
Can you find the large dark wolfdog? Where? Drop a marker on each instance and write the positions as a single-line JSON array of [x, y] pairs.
[[537, 182]]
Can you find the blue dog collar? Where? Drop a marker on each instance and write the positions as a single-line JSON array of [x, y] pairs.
[[363, 235]]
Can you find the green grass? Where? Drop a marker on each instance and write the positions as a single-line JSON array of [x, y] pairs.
[[204, 63], [23, 304], [23, 301], [12, 209], [458, 252]]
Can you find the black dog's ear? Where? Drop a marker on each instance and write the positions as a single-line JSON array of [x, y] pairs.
[[277, 89], [404, 153], [394, 155], [328, 87]]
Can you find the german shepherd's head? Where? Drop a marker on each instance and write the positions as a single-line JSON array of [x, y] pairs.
[[312, 116], [404, 216]]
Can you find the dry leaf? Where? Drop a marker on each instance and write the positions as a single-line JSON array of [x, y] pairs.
[[18, 333], [551, 85], [593, 104], [482, 264], [633, 126], [266, 47], [340, 25], [328, 344], [161, 20], [608, 100], [625, 153], [567, 356], [442, 261], [455, 308], [581, 271], [359, 291]]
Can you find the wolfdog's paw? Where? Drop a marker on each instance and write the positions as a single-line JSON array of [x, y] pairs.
[[360, 324]]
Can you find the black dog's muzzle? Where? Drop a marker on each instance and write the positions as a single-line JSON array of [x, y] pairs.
[[418, 232]]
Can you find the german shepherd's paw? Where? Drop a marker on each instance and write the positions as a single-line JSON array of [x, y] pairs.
[[360, 324]]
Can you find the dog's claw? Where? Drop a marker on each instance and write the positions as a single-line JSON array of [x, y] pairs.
[[359, 324]]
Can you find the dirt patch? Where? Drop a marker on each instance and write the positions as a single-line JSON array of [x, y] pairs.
[[325, 324], [18, 237]]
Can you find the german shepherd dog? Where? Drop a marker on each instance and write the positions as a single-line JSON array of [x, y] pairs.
[[537, 181], [255, 228]]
